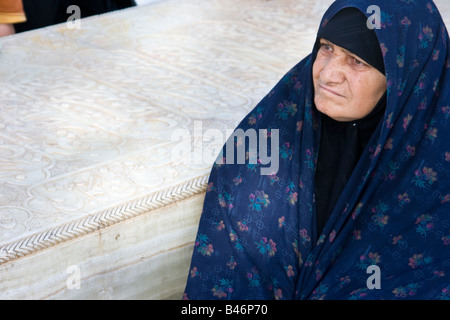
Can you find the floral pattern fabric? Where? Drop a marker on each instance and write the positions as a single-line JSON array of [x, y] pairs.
[[257, 236]]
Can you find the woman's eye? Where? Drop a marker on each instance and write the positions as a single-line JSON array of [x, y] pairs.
[[358, 62], [326, 47]]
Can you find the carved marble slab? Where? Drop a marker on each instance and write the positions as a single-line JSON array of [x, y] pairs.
[[93, 186]]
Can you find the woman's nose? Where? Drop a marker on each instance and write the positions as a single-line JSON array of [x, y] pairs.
[[333, 71]]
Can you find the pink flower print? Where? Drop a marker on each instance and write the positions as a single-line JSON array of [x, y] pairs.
[[209, 250], [281, 222], [379, 217], [357, 210], [374, 258], [202, 245], [254, 117], [298, 86], [428, 32], [384, 49], [406, 121], [411, 151], [304, 236], [435, 86], [432, 133], [390, 171], [344, 281], [425, 37], [320, 292], [258, 200], [273, 178], [318, 275], [435, 55], [439, 273], [289, 271], [401, 87], [237, 242], [445, 198], [423, 104], [220, 291], [357, 235], [424, 224], [332, 236], [286, 109], [447, 156], [253, 278], [409, 290], [418, 88], [405, 21], [292, 198], [297, 252], [266, 247], [401, 57], [446, 111], [231, 264], [388, 144], [220, 225], [429, 174], [396, 239], [210, 187], [285, 151], [445, 291], [194, 272], [389, 121], [424, 176], [418, 260], [385, 20], [242, 226], [237, 180], [225, 200], [278, 294], [403, 199], [424, 217], [413, 261], [310, 160]]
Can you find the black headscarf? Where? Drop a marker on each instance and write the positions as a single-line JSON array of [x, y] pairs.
[[349, 30], [342, 143]]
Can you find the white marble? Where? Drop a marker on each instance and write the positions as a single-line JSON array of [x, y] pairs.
[[90, 170]]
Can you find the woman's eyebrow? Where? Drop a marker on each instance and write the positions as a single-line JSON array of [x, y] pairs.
[[328, 42]]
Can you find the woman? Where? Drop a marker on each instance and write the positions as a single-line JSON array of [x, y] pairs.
[[11, 11], [359, 208]]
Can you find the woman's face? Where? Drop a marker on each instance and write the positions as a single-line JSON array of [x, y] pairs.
[[346, 88]]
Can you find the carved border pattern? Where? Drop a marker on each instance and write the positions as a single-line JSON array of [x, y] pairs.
[[101, 220]]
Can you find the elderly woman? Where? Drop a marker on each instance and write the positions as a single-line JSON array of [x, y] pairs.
[[360, 205]]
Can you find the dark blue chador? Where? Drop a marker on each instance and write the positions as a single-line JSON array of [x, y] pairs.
[[388, 234]]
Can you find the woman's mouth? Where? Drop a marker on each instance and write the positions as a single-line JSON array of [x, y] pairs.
[[330, 90]]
